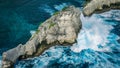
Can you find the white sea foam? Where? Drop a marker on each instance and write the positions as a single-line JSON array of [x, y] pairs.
[[50, 9], [32, 32], [61, 6], [94, 33], [47, 9], [112, 15]]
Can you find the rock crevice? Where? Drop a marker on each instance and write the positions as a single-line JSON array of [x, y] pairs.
[[61, 28], [99, 6]]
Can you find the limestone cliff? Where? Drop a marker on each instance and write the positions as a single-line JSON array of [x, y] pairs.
[[98, 6], [61, 28]]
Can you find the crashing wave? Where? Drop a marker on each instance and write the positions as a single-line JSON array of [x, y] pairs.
[[94, 34], [96, 47]]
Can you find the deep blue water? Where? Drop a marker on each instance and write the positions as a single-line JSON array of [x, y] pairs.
[[19, 17], [97, 44]]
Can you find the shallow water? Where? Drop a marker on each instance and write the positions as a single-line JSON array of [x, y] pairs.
[[97, 46], [97, 43], [19, 17]]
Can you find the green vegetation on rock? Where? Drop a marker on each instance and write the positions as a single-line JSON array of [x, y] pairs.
[[64, 8], [56, 13], [40, 24], [37, 31], [51, 24]]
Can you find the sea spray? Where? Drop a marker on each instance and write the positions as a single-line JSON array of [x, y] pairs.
[[94, 34], [96, 47]]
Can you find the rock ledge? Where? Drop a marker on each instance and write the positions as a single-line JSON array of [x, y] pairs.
[[98, 6], [61, 28]]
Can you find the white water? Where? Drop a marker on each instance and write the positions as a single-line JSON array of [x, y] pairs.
[[61, 6], [50, 9], [47, 9], [32, 32], [94, 34]]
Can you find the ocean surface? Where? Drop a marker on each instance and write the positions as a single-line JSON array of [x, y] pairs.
[[98, 43]]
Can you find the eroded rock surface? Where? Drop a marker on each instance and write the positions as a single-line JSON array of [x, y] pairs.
[[61, 28], [98, 6]]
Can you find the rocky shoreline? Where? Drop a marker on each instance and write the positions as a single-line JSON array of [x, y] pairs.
[[99, 6], [62, 28]]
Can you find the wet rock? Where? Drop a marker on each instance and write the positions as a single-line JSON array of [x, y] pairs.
[[98, 6], [61, 28]]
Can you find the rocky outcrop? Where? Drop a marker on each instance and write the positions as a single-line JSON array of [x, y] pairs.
[[61, 28], [98, 6]]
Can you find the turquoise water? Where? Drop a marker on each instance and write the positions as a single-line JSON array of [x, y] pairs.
[[19, 17], [97, 44]]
